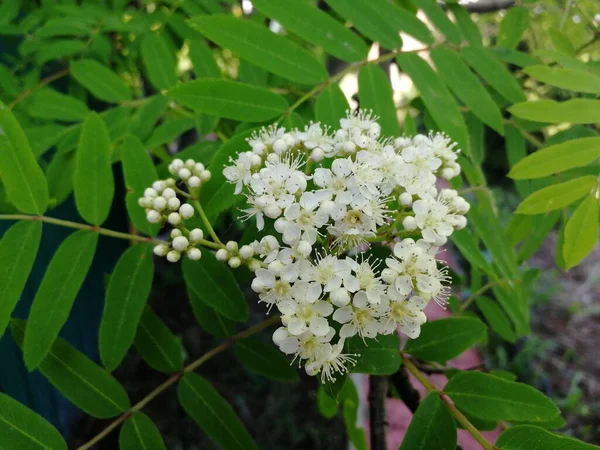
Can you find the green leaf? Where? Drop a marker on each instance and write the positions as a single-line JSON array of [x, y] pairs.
[[331, 106], [169, 131], [440, 19], [557, 196], [140, 433], [560, 42], [262, 47], [157, 345], [465, 242], [493, 72], [65, 26], [43, 137], [230, 100], [213, 414], [557, 158], [326, 405], [445, 339], [432, 427], [252, 74], [210, 320], [126, 296], [519, 59], [493, 398], [581, 232], [23, 429], [203, 60], [569, 79], [158, 61], [438, 100], [87, 385], [58, 49], [512, 27], [375, 93], [316, 27], [94, 183], [18, 249], [467, 27], [143, 121], [56, 294], [496, 317], [516, 150], [466, 86], [49, 104], [529, 437], [375, 357], [102, 82], [264, 359], [576, 111], [215, 285], [22, 176]]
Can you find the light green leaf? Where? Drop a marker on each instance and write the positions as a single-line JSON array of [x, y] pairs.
[[213, 414], [65, 26], [557, 196], [560, 42], [519, 59], [493, 398], [203, 60], [496, 317], [445, 339], [493, 72], [438, 100], [581, 232], [262, 47], [140, 433], [215, 285], [569, 79], [576, 111], [466, 86], [169, 131], [56, 294], [49, 104], [88, 386], [467, 27], [375, 93], [159, 62], [23, 178], [512, 27], [440, 19], [58, 49], [376, 357], [23, 429], [43, 137], [557, 158], [432, 427], [316, 27], [102, 82], [126, 296], [18, 248], [210, 320], [143, 121], [529, 437], [331, 106], [157, 345], [264, 359], [516, 150], [230, 100], [326, 405], [94, 183]]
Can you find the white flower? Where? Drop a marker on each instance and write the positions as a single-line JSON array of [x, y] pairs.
[[303, 219], [306, 312], [359, 318], [314, 136], [365, 280], [240, 172], [437, 217], [406, 314], [329, 361], [328, 271]]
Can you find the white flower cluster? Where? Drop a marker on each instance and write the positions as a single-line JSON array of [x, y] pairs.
[[328, 195], [162, 205]]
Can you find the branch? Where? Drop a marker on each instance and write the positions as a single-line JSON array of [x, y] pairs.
[[27, 92], [378, 386], [176, 377]]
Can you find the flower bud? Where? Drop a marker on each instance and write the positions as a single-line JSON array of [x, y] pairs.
[[196, 235], [186, 210], [175, 233], [194, 182], [159, 203], [174, 219], [169, 193], [205, 176], [272, 211], [170, 182], [176, 164], [194, 254], [279, 146], [304, 248], [254, 265], [280, 335], [232, 246], [184, 173], [149, 192], [153, 216], [145, 202], [405, 199], [246, 252], [276, 267], [349, 147], [190, 163], [409, 223], [161, 249], [173, 256], [234, 262], [317, 154], [199, 168], [222, 254], [173, 203], [257, 285], [280, 225], [388, 275], [180, 243], [159, 186], [461, 222]]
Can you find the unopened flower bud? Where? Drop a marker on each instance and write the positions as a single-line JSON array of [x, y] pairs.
[[279, 146], [196, 235], [194, 182], [280, 225], [169, 193], [161, 249], [180, 243], [254, 265], [317, 154], [234, 262], [173, 256], [388, 275], [276, 267], [246, 252], [174, 219], [194, 254], [153, 216], [159, 186], [340, 297], [205, 176], [186, 210], [159, 203], [190, 163], [272, 211], [184, 173], [176, 233], [170, 182], [409, 223], [232, 246], [280, 335], [304, 248], [149, 192], [173, 203], [222, 254], [405, 199]]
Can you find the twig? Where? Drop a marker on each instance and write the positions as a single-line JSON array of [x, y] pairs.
[[378, 386], [27, 92]]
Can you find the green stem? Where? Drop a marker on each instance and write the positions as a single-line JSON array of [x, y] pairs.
[[176, 377], [206, 222], [460, 418], [27, 92]]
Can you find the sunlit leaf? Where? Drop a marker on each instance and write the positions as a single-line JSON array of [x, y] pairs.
[[581, 232]]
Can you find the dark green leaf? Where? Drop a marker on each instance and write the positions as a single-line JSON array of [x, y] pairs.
[[49, 104], [577, 111], [88, 386], [529, 437], [432, 427], [126, 296], [210, 320], [445, 339], [496, 317], [493, 398], [140, 433], [316, 27], [260, 46], [157, 345], [43, 137], [18, 249], [375, 93], [213, 414], [264, 359], [331, 106], [22, 176], [215, 285], [230, 100], [467, 27], [56, 294], [557, 196], [516, 150], [581, 232], [143, 121], [203, 60], [102, 82], [512, 27], [159, 62], [23, 429], [440, 19], [375, 357], [94, 183], [169, 131]]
